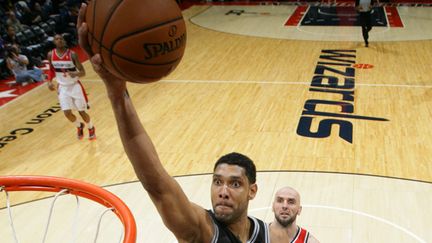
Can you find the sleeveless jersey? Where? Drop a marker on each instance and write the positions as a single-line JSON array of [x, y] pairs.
[[259, 232], [301, 236], [62, 64]]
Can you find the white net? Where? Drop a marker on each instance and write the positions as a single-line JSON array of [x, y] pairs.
[[60, 218]]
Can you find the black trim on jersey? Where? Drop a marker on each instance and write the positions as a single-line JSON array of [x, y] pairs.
[[307, 237], [296, 235], [61, 70], [258, 232]]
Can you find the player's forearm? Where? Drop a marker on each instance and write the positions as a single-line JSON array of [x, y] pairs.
[[77, 73], [137, 144], [174, 207], [81, 73]]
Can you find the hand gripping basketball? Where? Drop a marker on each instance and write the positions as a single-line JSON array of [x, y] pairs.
[[138, 40]]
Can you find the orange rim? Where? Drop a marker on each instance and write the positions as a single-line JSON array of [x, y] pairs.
[[78, 188]]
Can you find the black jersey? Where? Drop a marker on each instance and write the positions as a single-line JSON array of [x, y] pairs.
[[259, 232]]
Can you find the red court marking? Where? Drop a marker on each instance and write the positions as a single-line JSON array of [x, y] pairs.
[[363, 66], [296, 17], [393, 17], [15, 91]]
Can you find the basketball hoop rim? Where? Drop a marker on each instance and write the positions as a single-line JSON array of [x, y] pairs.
[[78, 188]]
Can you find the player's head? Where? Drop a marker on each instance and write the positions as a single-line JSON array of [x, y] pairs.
[[233, 186], [59, 41], [286, 206]]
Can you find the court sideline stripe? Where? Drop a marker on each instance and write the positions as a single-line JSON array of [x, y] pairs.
[[239, 82], [382, 220], [107, 186], [272, 82], [290, 82]]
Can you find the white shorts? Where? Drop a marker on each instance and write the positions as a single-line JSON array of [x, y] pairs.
[[72, 97]]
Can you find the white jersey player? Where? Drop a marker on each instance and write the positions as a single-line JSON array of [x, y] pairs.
[[67, 70]]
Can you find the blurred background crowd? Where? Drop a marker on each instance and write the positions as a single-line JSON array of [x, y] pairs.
[[29, 26]]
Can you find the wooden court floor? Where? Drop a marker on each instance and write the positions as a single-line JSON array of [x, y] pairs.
[[254, 95]]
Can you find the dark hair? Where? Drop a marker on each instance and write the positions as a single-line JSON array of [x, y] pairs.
[[9, 50], [240, 160]]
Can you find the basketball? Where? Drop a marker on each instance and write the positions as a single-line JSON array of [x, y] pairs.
[[139, 40]]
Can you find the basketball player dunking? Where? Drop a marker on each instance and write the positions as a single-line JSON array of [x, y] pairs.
[[68, 69], [286, 207], [233, 183]]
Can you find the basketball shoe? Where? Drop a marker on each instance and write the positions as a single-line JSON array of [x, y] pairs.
[[92, 133], [80, 131]]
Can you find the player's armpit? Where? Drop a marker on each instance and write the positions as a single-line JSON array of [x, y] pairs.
[[188, 221]]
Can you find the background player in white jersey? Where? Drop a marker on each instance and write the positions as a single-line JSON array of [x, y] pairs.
[[68, 69], [286, 207]]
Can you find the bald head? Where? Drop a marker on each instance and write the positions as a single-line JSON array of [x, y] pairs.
[[288, 192], [286, 206]]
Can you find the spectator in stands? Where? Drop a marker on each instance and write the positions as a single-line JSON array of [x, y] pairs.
[[4, 71], [2, 48], [57, 5], [68, 19], [26, 16], [14, 22], [22, 3], [10, 37], [47, 9], [30, 17], [38, 14], [17, 64]]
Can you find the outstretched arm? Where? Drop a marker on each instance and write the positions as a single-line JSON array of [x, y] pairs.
[[182, 217]]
